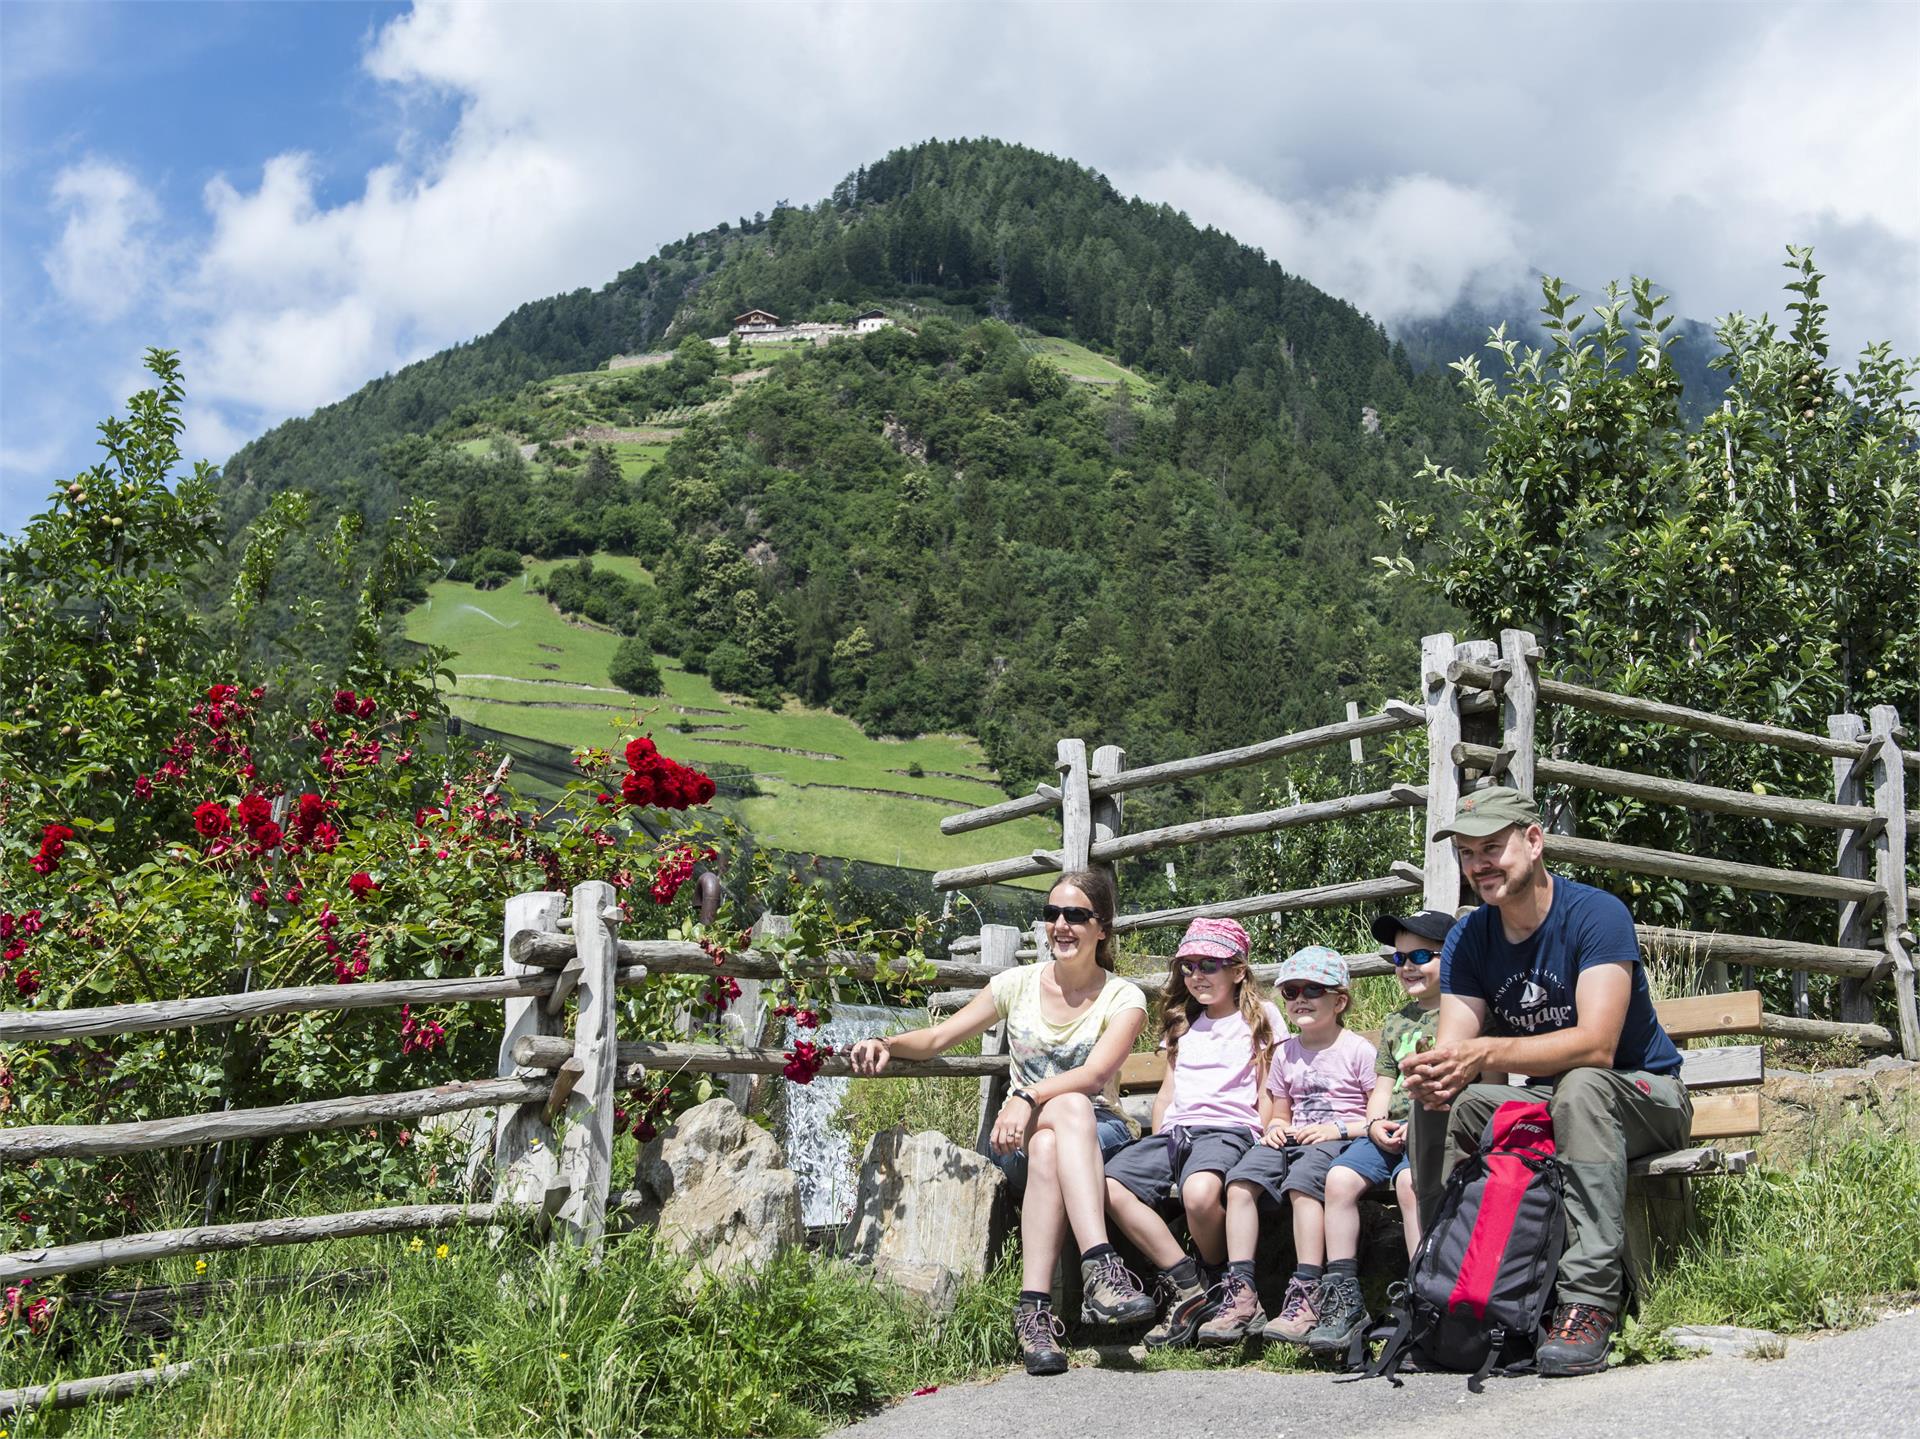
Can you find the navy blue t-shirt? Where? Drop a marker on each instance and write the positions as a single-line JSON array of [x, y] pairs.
[[1528, 987]]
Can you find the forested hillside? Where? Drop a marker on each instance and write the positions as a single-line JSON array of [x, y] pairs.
[[933, 528]]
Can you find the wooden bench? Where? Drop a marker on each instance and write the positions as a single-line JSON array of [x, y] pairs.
[[1659, 1197]]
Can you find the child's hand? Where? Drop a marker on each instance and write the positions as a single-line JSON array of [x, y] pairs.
[[1314, 1133], [1275, 1135], [1391, 1138]]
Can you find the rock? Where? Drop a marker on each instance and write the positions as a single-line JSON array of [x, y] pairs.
[[929, 1216], [1727, 1340], [719, 1189], [1804, 1114]]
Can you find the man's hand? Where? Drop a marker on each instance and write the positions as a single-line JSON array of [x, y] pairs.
[[1437, 1075]]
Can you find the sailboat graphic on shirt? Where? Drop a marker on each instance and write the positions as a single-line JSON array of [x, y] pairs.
[[1532, 996]]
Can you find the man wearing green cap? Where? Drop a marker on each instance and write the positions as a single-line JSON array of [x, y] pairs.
[[1545, 980]]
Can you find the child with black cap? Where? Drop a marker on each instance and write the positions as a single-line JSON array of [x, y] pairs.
[[1413, 942]]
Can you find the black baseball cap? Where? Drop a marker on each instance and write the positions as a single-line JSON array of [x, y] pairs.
[[1433, 924]]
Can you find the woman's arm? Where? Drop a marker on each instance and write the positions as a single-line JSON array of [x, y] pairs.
[[1015, 1120], [977, 1016], [1164, 1096]]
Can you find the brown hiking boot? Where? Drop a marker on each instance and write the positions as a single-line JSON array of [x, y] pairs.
[[1110, 1294], [1577, 1341], [1299, 1312], [1038, 1329], [1186, 1305], [1238, 1309]]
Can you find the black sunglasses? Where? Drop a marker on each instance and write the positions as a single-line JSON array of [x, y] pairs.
[[1413, 956], [1071, 913], [1304, 989], [1206, 966]]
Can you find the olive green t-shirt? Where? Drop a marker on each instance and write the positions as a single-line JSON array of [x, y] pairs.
[[1399, 1036]]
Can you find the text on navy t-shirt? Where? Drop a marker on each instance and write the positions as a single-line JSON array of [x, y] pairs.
[[1528, 987]]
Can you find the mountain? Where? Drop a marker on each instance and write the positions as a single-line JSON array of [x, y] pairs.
[[936, 527]]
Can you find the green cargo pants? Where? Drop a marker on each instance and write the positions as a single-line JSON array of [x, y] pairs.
[[1601, 1119]]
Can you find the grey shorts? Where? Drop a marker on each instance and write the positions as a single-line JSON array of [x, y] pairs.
[[1145, 1166], [1296, 1169]]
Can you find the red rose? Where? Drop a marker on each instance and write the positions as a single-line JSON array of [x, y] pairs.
[[362, 883], [261, 895], [294, 895], [27, 983], [253, 810], [265, 836], [365, 708], [222, 694], [343, 701], [639, 751], [143, 787], [210, 819]]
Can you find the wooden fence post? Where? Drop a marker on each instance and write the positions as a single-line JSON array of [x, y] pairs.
[[586, 1154], [1519, 706], [1108, 811], [1076, 806], [1855, 1004], [525, 1165], [745, 1021], [998, 944], [1442, 699], [1890, 869]]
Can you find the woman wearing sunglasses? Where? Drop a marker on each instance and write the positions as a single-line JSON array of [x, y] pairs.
[[1413, 943], [1314, 1105], [1071, 1021]]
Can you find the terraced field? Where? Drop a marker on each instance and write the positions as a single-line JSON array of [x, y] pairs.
[[828, 789]]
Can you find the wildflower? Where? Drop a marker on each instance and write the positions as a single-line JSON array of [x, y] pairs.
[[565, 1355], [417, 1245], [199, 1266]]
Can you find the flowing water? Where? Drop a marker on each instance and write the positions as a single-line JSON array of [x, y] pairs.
[[819, 1152]]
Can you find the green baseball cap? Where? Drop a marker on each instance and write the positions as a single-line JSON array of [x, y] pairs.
[[1488, 811]]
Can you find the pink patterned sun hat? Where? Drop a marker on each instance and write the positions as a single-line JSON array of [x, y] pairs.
[[1214, 939]]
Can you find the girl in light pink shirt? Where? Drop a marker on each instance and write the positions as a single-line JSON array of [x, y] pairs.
[[1218, 1031]]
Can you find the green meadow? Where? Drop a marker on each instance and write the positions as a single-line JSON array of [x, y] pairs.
[[1084, 364], [826, 788]]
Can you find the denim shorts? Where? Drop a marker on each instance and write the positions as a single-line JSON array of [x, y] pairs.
[[1372, 1163], [1114, 1134]]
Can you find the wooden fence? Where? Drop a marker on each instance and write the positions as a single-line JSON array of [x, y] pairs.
[[1480, 705]]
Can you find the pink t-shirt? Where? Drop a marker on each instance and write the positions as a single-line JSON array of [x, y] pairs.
[[1216, 1083], [1325, 1084]]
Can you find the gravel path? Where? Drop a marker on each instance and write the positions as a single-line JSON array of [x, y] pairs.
[[1859, 1385]]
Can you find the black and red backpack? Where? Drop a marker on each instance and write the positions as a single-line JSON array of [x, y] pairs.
[[1481, 1280]]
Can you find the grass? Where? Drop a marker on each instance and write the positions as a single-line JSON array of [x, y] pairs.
[[828, 788], [1084, 364], [522, 1340]]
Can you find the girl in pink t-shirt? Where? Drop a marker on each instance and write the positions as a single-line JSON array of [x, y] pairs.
[[1312, 1106], [1219, 1030]]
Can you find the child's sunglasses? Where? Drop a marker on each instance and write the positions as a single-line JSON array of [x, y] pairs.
[[1304, 989], [1414, 956], [1071, 913], [1206, 966]]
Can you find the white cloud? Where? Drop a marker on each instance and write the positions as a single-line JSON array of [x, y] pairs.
[[1402, 249], [100, 263]]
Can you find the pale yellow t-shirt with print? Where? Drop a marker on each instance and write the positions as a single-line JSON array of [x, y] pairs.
[[1039, 1049]]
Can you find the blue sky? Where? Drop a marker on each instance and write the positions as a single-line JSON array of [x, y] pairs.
[[300, 197]]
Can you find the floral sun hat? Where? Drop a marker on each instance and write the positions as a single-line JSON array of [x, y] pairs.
[[1317, 964]]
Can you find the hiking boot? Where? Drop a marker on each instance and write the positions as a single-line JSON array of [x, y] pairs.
[[1038, 1329], [1186, 1306], [1110, 1294], [1299, 1312], [1343, 1314], [1237, 1309], [1576, 1341]]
